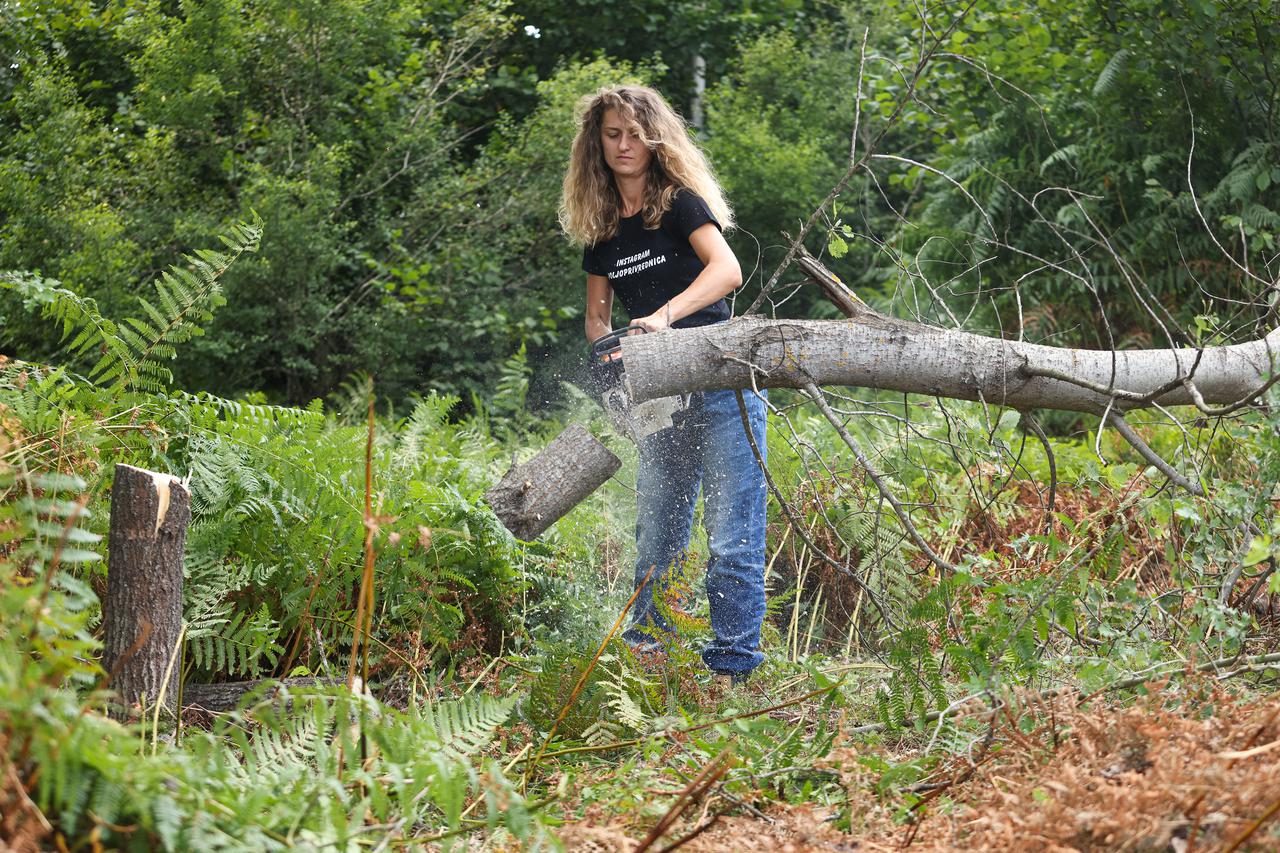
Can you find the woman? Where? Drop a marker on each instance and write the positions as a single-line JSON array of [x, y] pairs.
[[641, 199]]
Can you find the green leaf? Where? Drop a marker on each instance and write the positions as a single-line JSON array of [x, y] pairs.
[[1259, 550]]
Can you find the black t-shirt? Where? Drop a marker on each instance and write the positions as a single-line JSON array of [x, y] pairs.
[[648, 267]]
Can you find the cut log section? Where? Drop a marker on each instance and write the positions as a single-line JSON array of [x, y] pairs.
[[142, 611], [533, 496]]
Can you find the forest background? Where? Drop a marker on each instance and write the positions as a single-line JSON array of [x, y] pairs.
[[386, 174], [406, 159]]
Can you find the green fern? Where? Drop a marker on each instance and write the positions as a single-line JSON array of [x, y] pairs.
[[1064, 154], [1111, 72], [429, 417], [562, 666], [350, 403], [89, 332], [626, 710], [509, 405], [235, 643], [43, 523], [46, 401], [873, 536], [130, 353], [463, 728], [207, 411]]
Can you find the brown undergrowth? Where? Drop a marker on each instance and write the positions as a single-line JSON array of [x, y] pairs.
[[1186, 767], [1000, 527], [23, 827], [1181, 768], [1023, 510]]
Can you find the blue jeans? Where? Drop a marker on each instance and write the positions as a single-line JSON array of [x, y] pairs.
[[706, 448]]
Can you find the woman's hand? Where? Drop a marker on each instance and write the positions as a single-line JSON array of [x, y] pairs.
[[657, 321]]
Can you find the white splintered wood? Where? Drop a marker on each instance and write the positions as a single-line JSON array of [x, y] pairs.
[[162, 483], [873, 351]]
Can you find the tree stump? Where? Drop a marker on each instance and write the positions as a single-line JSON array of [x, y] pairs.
[[533, 496], [142, 611]]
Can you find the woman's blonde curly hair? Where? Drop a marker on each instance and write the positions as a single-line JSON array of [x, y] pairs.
[[590, 204]]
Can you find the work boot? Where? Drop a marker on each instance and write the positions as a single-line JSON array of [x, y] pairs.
[[728, 680]]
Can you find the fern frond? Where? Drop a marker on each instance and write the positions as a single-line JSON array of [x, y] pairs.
[[78, 316], [1111, 72], [562, 666], [625, 708], [187, 299], [130, 351], [465, 726], [429, 416], [1065, 154], [236, 644]]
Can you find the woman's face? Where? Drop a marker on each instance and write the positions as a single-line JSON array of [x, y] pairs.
[[624, 152]]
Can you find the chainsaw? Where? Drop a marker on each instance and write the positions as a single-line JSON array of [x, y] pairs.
[[634, 420]]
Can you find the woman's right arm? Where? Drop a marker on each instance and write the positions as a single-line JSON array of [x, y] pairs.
[[599, 319]]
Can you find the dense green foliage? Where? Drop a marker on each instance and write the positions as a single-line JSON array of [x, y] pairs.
[[406, 157], [1156, 126], [273, 558]]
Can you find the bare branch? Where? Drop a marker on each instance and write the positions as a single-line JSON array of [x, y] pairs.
[[798, 526], [926, 54], [885, 492], [1122, 426]]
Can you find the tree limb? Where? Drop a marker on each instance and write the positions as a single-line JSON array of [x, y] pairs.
[[875, 351], [1144, 450], [899, 510]]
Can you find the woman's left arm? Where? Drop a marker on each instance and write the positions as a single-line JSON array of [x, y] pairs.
[[720, 276]]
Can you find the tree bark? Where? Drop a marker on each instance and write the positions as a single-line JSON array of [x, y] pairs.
[[533, 496], [874, 351], [142, 611], [227, 696]]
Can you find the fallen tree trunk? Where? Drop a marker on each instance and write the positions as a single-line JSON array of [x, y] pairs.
[[227, 696], [531, 497], [874, 351]]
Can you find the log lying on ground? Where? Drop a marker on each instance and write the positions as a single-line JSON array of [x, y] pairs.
[[142, 610], [531, 497], [226, 697], [874, 351]]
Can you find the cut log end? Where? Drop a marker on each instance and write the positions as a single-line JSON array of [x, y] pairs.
[[533, 496]]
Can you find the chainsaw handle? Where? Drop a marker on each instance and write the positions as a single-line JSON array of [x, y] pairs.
[[608, 347]]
